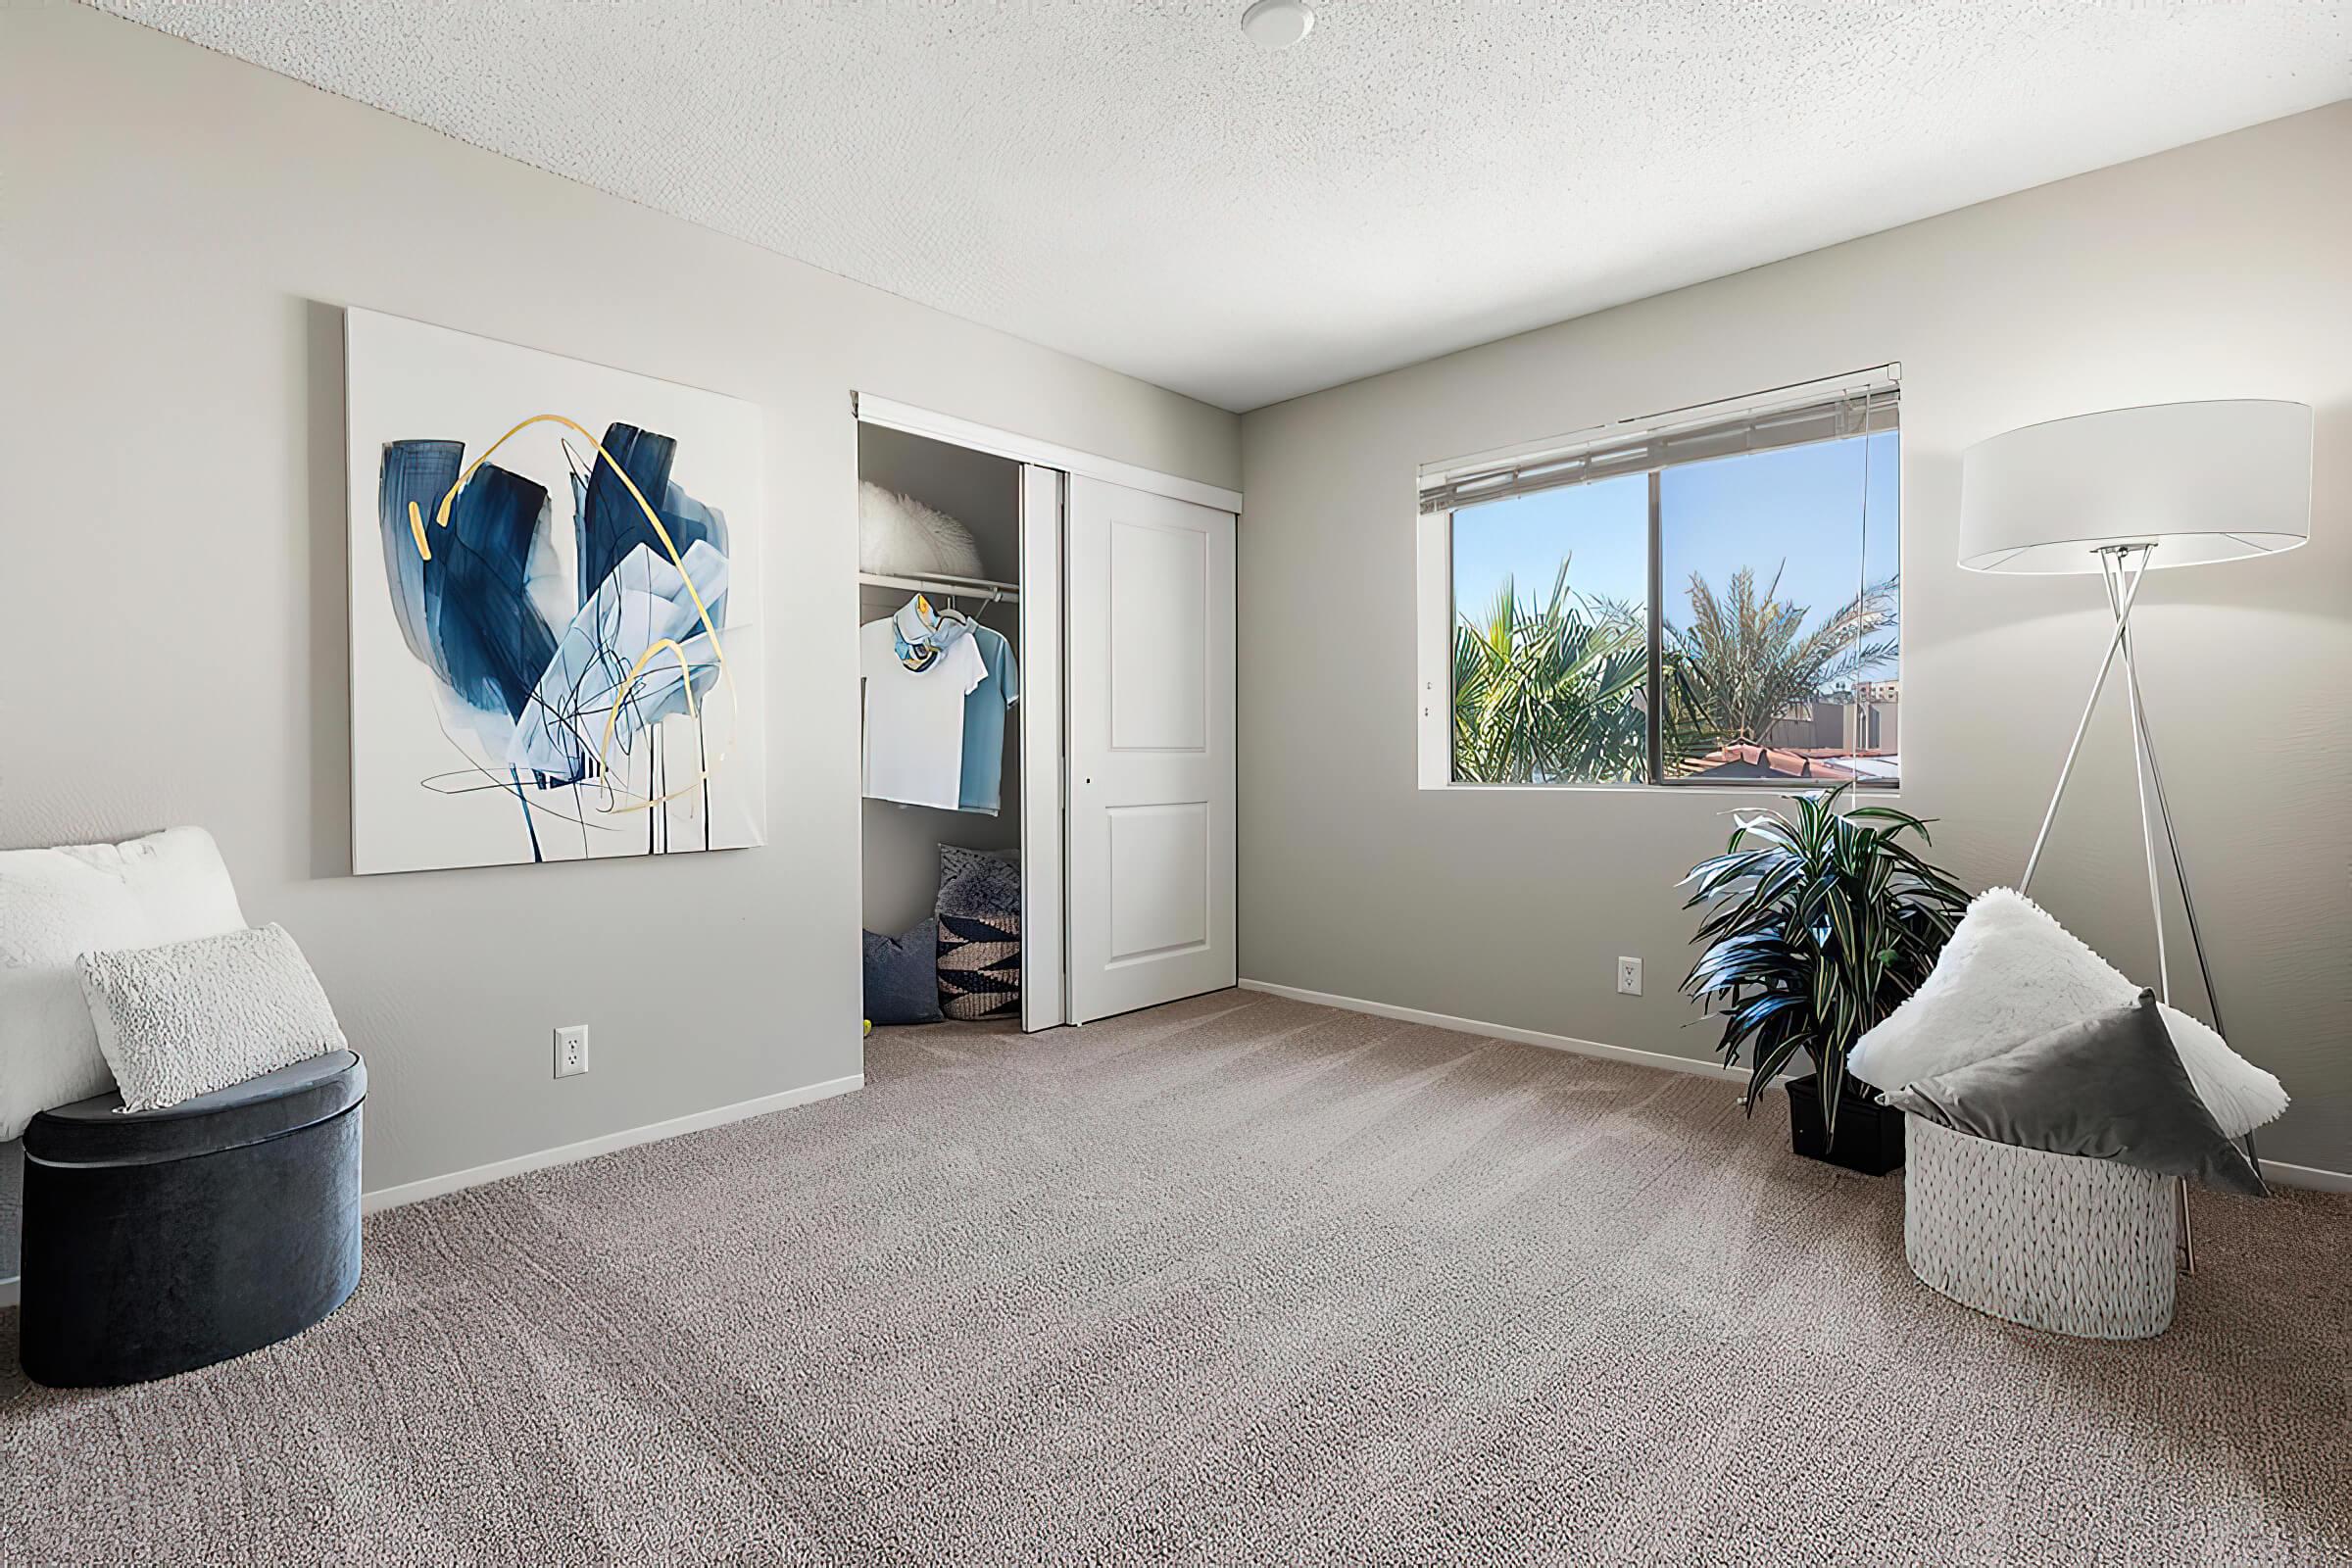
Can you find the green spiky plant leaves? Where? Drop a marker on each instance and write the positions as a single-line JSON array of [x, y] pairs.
[[1817, 927]]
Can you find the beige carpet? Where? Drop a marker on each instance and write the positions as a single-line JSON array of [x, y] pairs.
[[1238, 1280]]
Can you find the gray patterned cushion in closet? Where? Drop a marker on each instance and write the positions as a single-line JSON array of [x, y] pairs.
[[979, 933]]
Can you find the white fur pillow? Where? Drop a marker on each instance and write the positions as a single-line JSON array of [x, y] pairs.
[[58, 903], [189, 1017], [898, 536], [2012, 972]]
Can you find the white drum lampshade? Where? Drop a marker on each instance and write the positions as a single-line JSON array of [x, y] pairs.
[[2200, 481]]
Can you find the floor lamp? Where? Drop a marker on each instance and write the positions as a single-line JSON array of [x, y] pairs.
[[2123, 493]]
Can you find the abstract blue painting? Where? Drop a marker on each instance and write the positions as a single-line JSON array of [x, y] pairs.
[[553, 607]]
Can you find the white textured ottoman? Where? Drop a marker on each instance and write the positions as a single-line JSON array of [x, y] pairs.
[[2081, 1246]]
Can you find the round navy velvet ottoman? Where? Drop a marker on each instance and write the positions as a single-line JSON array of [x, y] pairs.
[[161, 1241]]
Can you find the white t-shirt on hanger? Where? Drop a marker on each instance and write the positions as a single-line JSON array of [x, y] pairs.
[[914, 720]]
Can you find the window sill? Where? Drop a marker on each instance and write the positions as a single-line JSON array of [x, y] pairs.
[[1759, 787]]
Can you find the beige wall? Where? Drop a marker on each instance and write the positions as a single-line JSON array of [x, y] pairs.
[[181, 230], [2221, 270]]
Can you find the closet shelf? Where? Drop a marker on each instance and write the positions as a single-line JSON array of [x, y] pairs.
[[945, 587]]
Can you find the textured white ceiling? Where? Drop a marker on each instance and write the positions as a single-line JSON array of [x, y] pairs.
[[1132, 181]]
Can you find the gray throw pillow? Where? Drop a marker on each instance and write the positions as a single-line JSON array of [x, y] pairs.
[[2108, 1087], [902, 976], [979, 933]]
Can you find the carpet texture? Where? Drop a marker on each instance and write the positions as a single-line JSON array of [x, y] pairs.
[[1236, 1280]]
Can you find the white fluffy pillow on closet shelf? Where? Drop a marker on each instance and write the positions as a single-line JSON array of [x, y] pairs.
[[898, 536]]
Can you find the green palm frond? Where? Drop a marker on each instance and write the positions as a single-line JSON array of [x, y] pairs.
[[1550, 692], [1744, 657], [1558, 689]]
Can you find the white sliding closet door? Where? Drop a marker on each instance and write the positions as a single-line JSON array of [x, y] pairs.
[[1038, 715], [1149, 691]]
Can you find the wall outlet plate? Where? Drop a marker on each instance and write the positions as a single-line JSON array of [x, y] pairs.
[[572, 1049], [1629, 977]]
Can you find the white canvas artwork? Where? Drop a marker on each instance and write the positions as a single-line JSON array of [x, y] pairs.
[[554, 606]]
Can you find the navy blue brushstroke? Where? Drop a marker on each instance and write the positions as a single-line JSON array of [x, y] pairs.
[[420, 471], [466, 612], [530, 826], [610, 523]]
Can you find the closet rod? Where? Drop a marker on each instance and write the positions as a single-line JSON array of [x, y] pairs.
[[945, 587]]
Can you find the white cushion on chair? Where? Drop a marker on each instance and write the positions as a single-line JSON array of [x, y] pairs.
[[179, 880], [187, 1018], [55, 904], [2012, 972]]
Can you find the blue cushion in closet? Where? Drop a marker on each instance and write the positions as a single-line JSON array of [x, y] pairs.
[[902, 975]]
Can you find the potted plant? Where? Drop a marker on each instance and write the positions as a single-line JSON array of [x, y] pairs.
[[1817, 927]]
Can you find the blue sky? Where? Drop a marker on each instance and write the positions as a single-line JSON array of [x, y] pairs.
[[1798, 503]]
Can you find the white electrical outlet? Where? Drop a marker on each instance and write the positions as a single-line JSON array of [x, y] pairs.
[[572, 1049], [1629, 977]]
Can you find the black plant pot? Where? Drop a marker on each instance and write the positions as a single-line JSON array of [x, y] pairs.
[[1869, 1135]]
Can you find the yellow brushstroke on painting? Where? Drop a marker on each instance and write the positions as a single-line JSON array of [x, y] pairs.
[[620, 695], [685, 673]]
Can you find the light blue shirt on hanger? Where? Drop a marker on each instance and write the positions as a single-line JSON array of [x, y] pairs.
[[984, 723]]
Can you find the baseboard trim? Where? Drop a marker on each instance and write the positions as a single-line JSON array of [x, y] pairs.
[[8, 1293], [589, 1148], [2310, 1177], [1501, 1031]]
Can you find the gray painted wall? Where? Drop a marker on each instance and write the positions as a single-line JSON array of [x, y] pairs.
[[2221, 270], [181, 231]]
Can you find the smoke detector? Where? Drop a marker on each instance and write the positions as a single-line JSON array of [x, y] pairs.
[[1277, 23]]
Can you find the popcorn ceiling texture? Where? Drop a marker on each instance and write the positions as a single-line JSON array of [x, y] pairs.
[[1137, 185], [1235, 1281]]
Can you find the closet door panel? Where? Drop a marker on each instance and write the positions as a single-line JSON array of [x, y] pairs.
[[1158, 639], [1039, 717], [1159, 877], [1151, 693]]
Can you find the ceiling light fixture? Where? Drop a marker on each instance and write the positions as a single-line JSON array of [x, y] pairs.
[[1278, 24]]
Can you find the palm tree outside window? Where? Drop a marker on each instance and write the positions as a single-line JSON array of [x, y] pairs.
[[1706, 618]]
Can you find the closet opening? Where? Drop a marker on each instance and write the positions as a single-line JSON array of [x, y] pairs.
[[945, 668], [1050, 633]]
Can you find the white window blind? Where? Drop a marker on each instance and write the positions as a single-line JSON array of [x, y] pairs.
[[1829, 409]]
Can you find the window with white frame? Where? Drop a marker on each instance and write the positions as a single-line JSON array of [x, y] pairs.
[[1706, 598]]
